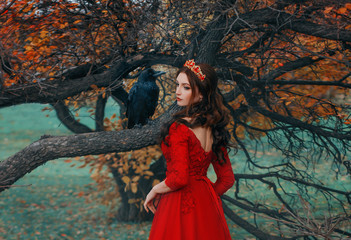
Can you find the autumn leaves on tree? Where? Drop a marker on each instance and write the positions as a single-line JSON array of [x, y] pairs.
[[285, 77]]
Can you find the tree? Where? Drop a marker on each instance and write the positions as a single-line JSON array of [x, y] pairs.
[[285, 77]]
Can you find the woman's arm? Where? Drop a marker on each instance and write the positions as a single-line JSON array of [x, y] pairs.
[[161, 188], [177, 175], [225, 175]]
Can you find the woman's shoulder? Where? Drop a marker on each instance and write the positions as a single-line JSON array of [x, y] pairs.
[[179, 130], [178, 127]]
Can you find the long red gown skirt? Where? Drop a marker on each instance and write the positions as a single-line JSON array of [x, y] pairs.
[[193, 210]]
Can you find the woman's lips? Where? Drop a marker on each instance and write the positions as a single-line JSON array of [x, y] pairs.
[[178, 99]]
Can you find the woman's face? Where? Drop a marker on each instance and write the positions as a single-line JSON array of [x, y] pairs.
[[184, 91]]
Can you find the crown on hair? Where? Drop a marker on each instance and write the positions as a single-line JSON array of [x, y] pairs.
[[195, 69]]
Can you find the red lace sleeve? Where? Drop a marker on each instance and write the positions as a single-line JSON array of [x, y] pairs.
[[225, 175], [177, 174]]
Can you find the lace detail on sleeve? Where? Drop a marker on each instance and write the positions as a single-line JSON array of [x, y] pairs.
[[177, 175]]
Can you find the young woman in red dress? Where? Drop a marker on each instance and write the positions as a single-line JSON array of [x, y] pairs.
[[187, 204]]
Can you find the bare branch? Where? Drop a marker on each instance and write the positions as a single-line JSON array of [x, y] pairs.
[[65, 116]]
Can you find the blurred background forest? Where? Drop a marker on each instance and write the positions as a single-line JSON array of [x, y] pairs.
[[66, 70]]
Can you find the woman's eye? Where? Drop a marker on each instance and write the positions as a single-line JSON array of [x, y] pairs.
[[187, 88]]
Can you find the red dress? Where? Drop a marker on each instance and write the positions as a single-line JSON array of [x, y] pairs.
[[193, 210]]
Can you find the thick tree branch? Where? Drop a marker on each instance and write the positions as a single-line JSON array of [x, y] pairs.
[[100, 113], [49, 147], [52, 91], [211, 42]]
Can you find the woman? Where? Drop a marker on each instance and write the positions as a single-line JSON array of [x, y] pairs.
[[188, 203]]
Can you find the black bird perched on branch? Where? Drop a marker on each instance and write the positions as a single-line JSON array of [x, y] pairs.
[[143, 98]]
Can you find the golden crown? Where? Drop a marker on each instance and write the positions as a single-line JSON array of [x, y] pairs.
[[195, 69]]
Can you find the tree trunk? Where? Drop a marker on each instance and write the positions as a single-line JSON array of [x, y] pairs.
[[131, 208]]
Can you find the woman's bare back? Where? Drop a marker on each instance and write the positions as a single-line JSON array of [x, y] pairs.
[[204, 135]]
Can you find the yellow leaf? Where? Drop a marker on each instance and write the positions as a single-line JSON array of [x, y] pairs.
[[134, 200], [138, 170], [114, 165], [134, 187], [126, 179], [149, 173], [28, 48], [136, 179]]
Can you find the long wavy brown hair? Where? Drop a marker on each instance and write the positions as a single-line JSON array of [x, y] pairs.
[[209, 112]]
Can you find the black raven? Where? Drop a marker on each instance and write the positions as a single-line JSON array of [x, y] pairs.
[[143, 98]]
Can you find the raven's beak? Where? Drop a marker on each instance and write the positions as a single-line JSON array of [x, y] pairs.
[[158, 73]]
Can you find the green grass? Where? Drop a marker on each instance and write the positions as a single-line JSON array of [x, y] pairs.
[[51, 209]]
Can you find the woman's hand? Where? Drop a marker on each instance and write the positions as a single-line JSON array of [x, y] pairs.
[[151, 198]]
